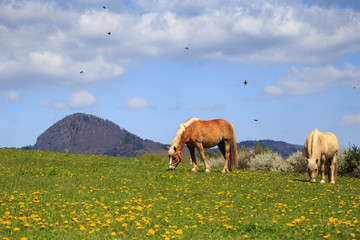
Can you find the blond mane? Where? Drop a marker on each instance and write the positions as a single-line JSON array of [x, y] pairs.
[[179, 133], [315, 144]]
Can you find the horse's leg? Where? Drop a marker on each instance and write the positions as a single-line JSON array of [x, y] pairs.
[[322, 168], [193, 158], [333, 169], [226, 156], [202, 154], [222, 147]]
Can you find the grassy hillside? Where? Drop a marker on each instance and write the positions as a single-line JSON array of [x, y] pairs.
[[47, 195]]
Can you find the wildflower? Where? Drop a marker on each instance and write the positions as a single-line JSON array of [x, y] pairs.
[[151, 232], [179, 232], [16, 229], [327, 236], [113, 233]]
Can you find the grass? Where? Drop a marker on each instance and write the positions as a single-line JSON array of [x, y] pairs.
[[45, 195]]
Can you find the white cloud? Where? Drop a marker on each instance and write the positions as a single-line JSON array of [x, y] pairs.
[[136, 103], [308, 80], [350, 120], [46, 44], [81, 99], [11, 96]]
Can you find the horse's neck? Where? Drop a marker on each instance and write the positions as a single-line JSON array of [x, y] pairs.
[[316, 146], [183, 140]]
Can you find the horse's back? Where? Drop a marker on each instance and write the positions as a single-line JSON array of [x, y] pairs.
[[217, 125], [211, 132], [330, 142]]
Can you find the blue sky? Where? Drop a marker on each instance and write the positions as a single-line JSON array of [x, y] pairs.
[[301, 60]]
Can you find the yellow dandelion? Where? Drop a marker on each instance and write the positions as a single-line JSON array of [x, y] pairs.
[[113, 233], [326, 236], [179, 232], [151, 232], [16, 229]]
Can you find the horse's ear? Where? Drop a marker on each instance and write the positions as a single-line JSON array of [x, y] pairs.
[[307, 160], [168, 147]]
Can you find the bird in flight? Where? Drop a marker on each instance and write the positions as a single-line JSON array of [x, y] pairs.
[[109, 33], [81, 72], [104, 7], [186, 48], [245, 82], [256, 120]]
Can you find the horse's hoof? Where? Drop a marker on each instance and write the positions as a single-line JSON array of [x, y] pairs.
[[207, 170], [322, 181], [225, 171], [332, 182], [194, 170]]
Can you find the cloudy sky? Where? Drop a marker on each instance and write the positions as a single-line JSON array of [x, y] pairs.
[[301, 59]]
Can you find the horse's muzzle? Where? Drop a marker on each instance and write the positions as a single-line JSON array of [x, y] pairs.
[[171, 167]]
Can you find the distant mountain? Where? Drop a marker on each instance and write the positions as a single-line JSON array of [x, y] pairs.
[[282, 148], [87, 134]]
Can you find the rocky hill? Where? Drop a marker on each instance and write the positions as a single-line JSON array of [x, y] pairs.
[[87, 134]]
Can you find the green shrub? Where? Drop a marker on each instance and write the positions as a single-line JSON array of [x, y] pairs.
[[351, 163]]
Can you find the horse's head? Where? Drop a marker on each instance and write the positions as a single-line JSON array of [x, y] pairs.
[[175, 159], [312, 169]]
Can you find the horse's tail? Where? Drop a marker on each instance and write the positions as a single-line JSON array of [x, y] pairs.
[[233, 164]]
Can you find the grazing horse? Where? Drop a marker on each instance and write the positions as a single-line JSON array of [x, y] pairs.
[[319, 148], [199, 134]]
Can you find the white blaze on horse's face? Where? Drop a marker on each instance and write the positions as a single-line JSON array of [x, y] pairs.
[[312, 169], [174, 160]]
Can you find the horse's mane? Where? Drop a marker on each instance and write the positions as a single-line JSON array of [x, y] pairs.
[[180, 131], [315, 143]]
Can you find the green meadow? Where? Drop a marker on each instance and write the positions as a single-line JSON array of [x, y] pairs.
[[46, 195]]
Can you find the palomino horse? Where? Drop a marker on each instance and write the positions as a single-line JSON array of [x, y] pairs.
[[199, 134], [319, 148]]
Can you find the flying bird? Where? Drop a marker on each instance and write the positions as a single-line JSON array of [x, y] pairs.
[[255, 120], [81, 72], [186, 48], [109, 33], [245, 82], [104, 7]]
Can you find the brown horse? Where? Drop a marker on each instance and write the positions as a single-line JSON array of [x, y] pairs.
[[200, 134], [319, 148]]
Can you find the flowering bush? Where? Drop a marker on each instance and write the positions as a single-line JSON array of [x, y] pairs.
[[269, 161]]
